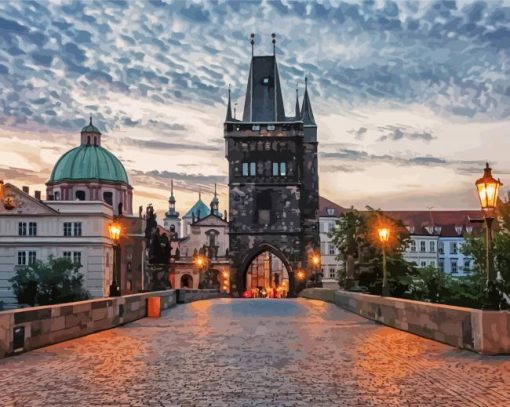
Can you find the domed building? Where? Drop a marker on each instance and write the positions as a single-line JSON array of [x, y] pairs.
[[90, 172]]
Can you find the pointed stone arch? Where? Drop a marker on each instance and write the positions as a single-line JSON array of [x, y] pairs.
[[256, 251]]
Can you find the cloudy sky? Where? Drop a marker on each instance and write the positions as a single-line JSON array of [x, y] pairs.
[[411, 98]]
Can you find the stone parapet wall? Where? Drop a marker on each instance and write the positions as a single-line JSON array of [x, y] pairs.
[[46, 325], [185, 295], [486, 332]]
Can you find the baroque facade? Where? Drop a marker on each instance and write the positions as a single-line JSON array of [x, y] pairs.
[[273, 178]]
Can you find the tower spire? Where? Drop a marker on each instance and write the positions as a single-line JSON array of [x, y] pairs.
[[90, 122], [306, 110], [252, 42], [274, 43], [229, 107], [298, 113]]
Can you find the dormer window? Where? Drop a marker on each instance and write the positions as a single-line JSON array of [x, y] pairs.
[[458, 229], [469, 229], [330, 211], [437, 230], [265, 81], [410, 229], [255, 127], [429, 229]]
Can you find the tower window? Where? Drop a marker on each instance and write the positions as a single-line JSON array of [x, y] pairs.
[[253, 169], [275, 169], [245, 169], [283, 169], [265, 81], [80, 195]]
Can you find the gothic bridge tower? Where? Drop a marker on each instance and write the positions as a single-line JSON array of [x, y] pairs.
[[273, 178]]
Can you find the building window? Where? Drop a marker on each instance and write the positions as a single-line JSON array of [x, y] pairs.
[[432, 246], [68, 229], [422, 246], [283, 169], [245, 169], [275, 169], [453, 248], [413, 246], [440, 248], [433, 263], [77, 258], [22, 229], [67, 256], [56, 196], [331, 227], [22, 258], [454, 266], [80, 195], [77, 228], [423, 263], [331, 249], [32, 229], [253, 169], [332, 272], [32, 257], [441, 265], [330, 211], [108, 197], [255, 127], [467, 264]]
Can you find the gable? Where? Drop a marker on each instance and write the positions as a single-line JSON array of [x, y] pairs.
[[211, 220], [23, 203]]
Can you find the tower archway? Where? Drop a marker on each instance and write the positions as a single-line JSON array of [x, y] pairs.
[[266, 272]]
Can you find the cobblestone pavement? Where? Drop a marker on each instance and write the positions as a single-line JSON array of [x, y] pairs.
[[254, 353]]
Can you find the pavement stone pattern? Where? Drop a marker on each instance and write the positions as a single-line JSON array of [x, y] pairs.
[[259, 352]]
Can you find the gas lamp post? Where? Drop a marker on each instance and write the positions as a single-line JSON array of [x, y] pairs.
[[384, 236], [114, 229]]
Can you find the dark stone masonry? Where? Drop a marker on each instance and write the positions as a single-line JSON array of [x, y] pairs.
[[273, 178]]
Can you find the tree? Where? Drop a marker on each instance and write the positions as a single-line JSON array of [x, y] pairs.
[[53, 282], [356, 238]]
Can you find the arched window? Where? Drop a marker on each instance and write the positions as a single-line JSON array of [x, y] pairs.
[[88, 139], [80, 195]]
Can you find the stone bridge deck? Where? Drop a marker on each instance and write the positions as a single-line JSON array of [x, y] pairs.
[[254, 352]]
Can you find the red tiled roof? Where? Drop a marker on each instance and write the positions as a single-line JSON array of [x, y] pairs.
[[325, 204], [452, 223]]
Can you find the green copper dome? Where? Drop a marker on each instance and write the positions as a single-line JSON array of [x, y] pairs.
[[89, 162]]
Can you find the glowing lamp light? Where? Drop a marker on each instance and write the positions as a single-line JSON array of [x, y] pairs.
[[384, 234], [488, 189], [114, 230], [316, 260], [300, 275], [200, 261], [225, 274]]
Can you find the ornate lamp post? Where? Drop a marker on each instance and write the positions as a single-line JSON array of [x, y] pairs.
[[114, 230], [488, 189], [316, 265], [384, 236]]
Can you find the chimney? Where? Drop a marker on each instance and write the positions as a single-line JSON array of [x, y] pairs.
[[26, 190], [37, 195]]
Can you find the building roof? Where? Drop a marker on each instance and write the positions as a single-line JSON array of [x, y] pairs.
[[263, 101], [447, 223], [329, 208], [89, 163], [199, 208]]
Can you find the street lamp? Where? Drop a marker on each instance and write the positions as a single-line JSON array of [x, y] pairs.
[[114, 230], [488, 189], [384, 236], [315, 259]]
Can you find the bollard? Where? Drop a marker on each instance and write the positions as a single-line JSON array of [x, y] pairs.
[[154, 307]]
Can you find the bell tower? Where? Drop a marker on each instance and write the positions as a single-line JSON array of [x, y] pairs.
[[273, 177]]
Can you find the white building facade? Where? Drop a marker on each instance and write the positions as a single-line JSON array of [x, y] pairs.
[[33, 230]]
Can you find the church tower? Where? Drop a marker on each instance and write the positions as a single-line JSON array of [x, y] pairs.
[[273, 178], [172, 216]]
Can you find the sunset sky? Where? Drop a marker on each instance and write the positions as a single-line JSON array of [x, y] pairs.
[[411, 98]]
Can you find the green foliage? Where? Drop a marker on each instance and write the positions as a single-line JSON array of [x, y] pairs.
[[53, 282], [355, 235]]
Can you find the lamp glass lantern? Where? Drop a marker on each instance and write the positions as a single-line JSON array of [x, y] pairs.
[[488, 189], [114, 230], [384, 234]]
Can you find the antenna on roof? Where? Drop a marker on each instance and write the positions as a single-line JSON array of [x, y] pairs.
[[252, 42], [274, 43]]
